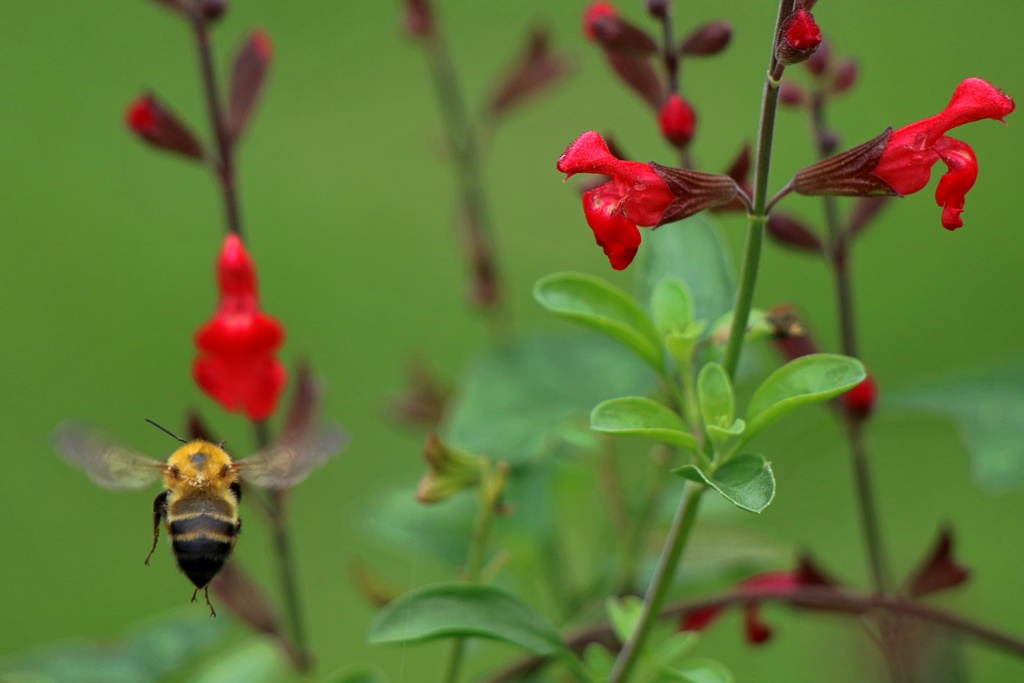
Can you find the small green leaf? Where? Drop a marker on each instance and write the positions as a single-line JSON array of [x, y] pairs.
[[746, 481], [671, 649], [639, 416], [357, 673], [694, 251], [809, 379], [599, 661], [451, 610], [592, 301], [672, 306], [714, 390], [700, 670], [255, 662], [726, 439], [624, 614]]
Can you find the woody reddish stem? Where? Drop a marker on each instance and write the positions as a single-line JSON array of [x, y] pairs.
[[223, 164]]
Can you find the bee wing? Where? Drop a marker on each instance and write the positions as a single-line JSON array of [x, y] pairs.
[[288, 461], [105, 461]]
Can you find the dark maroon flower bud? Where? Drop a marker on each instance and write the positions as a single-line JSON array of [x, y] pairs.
[[845, 77], [657, 8], [535, 71], [799, 37], [212, 10], [157, 125], [602, 23], [789, 232], [176, 5], [245, 599], [418, 18], [809, 4], [792, 338], [637, 73], [859, 401], [828, 142], [198, 429], [792, 95], [677, 120], [818, 62], [939, 571], [850, 173], [247, 80], [422, 402], [693, 191], [709, 39]]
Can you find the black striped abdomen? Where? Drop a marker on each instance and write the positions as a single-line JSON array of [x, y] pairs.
[[203, 531]]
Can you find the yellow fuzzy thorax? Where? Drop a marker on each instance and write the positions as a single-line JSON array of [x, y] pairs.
[[200, 465]]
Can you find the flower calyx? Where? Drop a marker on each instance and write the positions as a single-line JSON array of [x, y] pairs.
[[450, 471]]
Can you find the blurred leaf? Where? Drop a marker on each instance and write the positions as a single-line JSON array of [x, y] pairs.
[[669, 650], [639, 416], [746, 480], [536, 70], [248, 78], [448, 610], [671, 306], [591, 301], [624, 614], [526, 398], [714, 389], [357, 673], [808, 379], [147, 652], [988, 408], [700, 671], [254, 662], [599, 661], [692, 251], [438, 531]]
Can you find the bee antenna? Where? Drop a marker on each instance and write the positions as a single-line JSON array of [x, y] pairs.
[[166, 430]]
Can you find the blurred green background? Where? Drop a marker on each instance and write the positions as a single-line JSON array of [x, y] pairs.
[[107, 260]]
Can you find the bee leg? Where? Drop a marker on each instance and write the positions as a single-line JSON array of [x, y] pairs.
[[159, 511], [206, 594]]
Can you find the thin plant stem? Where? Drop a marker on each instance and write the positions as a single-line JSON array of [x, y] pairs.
[[285, 560], [224, 165], [838, 255], [758, 218], [839, 601], [463, 142], [489, 492], [671, 554]]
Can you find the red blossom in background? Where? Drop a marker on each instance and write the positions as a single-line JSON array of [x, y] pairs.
[[799, 38], [912, 150], [155, 124], [677, 120], [236, 364], [859, 401], [635, 195]]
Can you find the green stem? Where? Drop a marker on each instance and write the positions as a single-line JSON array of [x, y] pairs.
[[678, 535], [758, 218], [491, 484]]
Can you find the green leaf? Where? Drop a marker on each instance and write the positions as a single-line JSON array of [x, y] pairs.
[[599, 661], [746, 481], [672, 306], [714, 390], [700, 670], [593, 302], [255, 662], [450, 610], [624, 614], [672, 648], [357, 673], [533, 396], [726, 439], [693, 251], [988, 408], [639, 416], [809, 379]]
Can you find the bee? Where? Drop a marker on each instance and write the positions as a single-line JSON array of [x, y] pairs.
[[202, 485]]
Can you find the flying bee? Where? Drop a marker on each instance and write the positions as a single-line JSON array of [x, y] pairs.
[[202, 484]]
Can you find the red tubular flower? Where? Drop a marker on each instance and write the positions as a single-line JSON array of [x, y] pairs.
[[677, 120], [912, 150], [236, 365], [595, 13], [859, 401], [638, 194], [799, 37]]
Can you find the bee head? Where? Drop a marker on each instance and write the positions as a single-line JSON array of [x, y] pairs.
[[201, 464]]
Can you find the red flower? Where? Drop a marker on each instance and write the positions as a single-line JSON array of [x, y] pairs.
[[799, 38], [860, 401], [912, 150], [596, 12], [236, 364], [635, 195], [677, 120]]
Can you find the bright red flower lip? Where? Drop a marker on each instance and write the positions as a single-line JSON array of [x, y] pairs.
[[636, 195], [912, 150], [236, 365]]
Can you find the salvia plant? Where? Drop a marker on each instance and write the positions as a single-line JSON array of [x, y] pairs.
[[572, 480]]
